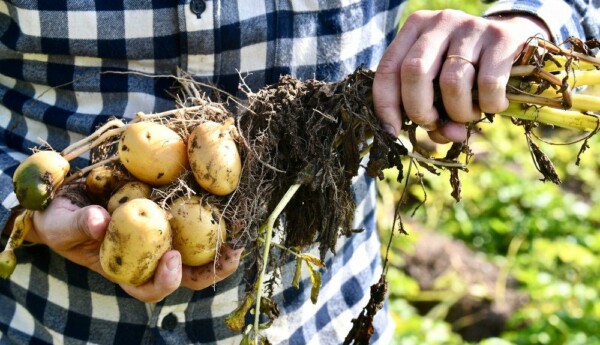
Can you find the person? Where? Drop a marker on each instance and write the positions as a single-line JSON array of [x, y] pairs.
[[55, 87]]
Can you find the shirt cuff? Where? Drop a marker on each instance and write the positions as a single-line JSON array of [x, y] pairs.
[[560, 18]]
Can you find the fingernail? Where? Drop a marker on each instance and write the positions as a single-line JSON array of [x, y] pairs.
[[174, 263], [390, 129]]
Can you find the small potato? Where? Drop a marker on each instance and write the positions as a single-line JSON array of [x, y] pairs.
[[128, 191], [137, 237], [198, 230], [214, 157], [102, 181], [37, 177], [153, 153]]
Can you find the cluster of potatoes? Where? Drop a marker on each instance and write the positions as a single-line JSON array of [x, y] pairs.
[[140, 230]]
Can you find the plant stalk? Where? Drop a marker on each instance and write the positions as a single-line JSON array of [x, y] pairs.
[[557, 117], [268, 227]]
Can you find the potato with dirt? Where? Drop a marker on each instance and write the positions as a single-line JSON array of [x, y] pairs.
[[198, 230], [153, 153], [214, 157], [102, 181], [128, 191], [37, 177], [138, 235]]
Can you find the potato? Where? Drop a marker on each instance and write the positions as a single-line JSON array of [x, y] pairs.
[[153, 153], [128, 191], [37, 177], [102, 181], [214, 157], [198, 230], [138, 235]]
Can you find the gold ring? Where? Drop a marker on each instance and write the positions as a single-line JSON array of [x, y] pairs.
[[460, 57]]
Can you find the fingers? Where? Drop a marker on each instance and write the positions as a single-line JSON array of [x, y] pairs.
[[418, 55], [198, 278], [450, 132], [166, 280], [493, 77], [170, 274], [90, 222], [456, 86], [387, 82], [419, 69]]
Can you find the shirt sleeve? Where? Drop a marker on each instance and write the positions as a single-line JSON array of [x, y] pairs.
[[9, 160], [577, 18]]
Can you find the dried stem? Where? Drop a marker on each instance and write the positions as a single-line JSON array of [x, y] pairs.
[[551, 47]]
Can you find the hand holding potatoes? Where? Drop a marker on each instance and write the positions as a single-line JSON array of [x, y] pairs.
[[136, 237], [76, 233]]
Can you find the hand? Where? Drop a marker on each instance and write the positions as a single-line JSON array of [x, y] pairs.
[[418, 55], [76, 233]]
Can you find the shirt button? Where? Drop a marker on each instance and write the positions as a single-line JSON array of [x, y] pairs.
[[169, 322], [198, 7]]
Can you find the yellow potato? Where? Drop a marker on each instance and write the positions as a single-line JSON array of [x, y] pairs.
[[37, 177], [198, 230], [214, 157], [137, 237], [128, 191], [153, 153], [102, 181]]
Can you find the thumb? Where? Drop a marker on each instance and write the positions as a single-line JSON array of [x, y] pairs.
[[63, 225], [90, 222]]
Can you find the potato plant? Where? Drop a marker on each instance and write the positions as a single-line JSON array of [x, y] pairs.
[[292, 151]]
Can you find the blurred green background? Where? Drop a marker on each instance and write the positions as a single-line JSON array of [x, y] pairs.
[[543, 235]]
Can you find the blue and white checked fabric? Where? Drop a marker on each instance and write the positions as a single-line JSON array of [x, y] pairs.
[[57, 83]]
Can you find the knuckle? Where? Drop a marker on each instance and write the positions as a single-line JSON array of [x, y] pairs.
[[417, 17], [452, 82], [413, 68], [489, 83], [386, 68], [497, 32]]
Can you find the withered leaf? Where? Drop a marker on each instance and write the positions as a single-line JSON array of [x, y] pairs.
[[236, 320]]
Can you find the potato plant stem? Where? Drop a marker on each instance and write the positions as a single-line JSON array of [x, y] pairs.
[[282, 247], [551, 66], [83, 149], [88, 168], [268, 228], [98, 132], [552, 116], [582, 78], [141, 116]]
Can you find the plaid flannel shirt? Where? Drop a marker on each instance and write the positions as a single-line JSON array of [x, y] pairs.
[[54, 88]]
